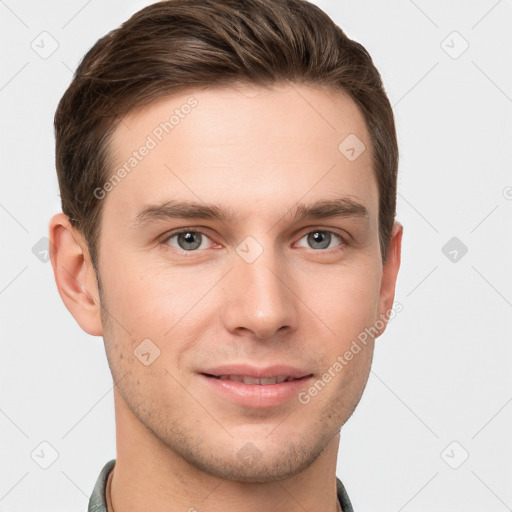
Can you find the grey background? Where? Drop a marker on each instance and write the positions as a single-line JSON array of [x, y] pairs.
[[441, 385]]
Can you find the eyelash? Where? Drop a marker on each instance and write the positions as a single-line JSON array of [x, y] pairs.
[[176, 232]]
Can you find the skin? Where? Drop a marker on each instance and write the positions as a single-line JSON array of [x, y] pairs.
[[257, 152]]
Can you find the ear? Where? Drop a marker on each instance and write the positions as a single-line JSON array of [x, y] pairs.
[[389, 275], [74, 274]]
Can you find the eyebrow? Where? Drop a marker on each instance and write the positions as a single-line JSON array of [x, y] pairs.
[[344, 207]]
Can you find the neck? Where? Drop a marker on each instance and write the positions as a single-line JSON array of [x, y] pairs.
[[150, 476]]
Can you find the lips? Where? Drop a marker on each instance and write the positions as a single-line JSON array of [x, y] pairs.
[[258, 375], [253, 387], [246, 379]]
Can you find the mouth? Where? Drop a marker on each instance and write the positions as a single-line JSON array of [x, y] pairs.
[[257, 388], [255, 381]]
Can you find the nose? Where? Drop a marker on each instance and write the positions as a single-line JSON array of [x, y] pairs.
[[259, 298]]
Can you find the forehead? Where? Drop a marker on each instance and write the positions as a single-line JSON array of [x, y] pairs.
[[249, 146]]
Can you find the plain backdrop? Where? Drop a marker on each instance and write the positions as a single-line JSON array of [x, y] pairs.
[[432, 431]]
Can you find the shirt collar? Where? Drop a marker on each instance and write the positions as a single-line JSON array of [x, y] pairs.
[[98, 501]]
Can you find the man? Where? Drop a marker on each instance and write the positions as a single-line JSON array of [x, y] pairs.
[[228, 181]]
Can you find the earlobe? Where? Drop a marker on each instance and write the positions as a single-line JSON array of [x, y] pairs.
[[74, 274], [389, 275]]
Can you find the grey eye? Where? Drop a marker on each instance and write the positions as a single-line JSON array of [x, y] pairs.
[[188, 240], [321, 239]]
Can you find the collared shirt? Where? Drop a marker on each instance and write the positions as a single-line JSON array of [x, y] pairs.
[[98, 501]]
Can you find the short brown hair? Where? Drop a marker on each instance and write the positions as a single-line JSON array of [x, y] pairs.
[[178, 44]]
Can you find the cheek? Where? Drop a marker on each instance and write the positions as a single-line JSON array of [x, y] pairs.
[[345, 297], [349, 306], [169, 306], [142, 292]]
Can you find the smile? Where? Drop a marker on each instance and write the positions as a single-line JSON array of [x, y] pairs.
[[254, 380]]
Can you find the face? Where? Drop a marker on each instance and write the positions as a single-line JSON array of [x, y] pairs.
[[241, 241]]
